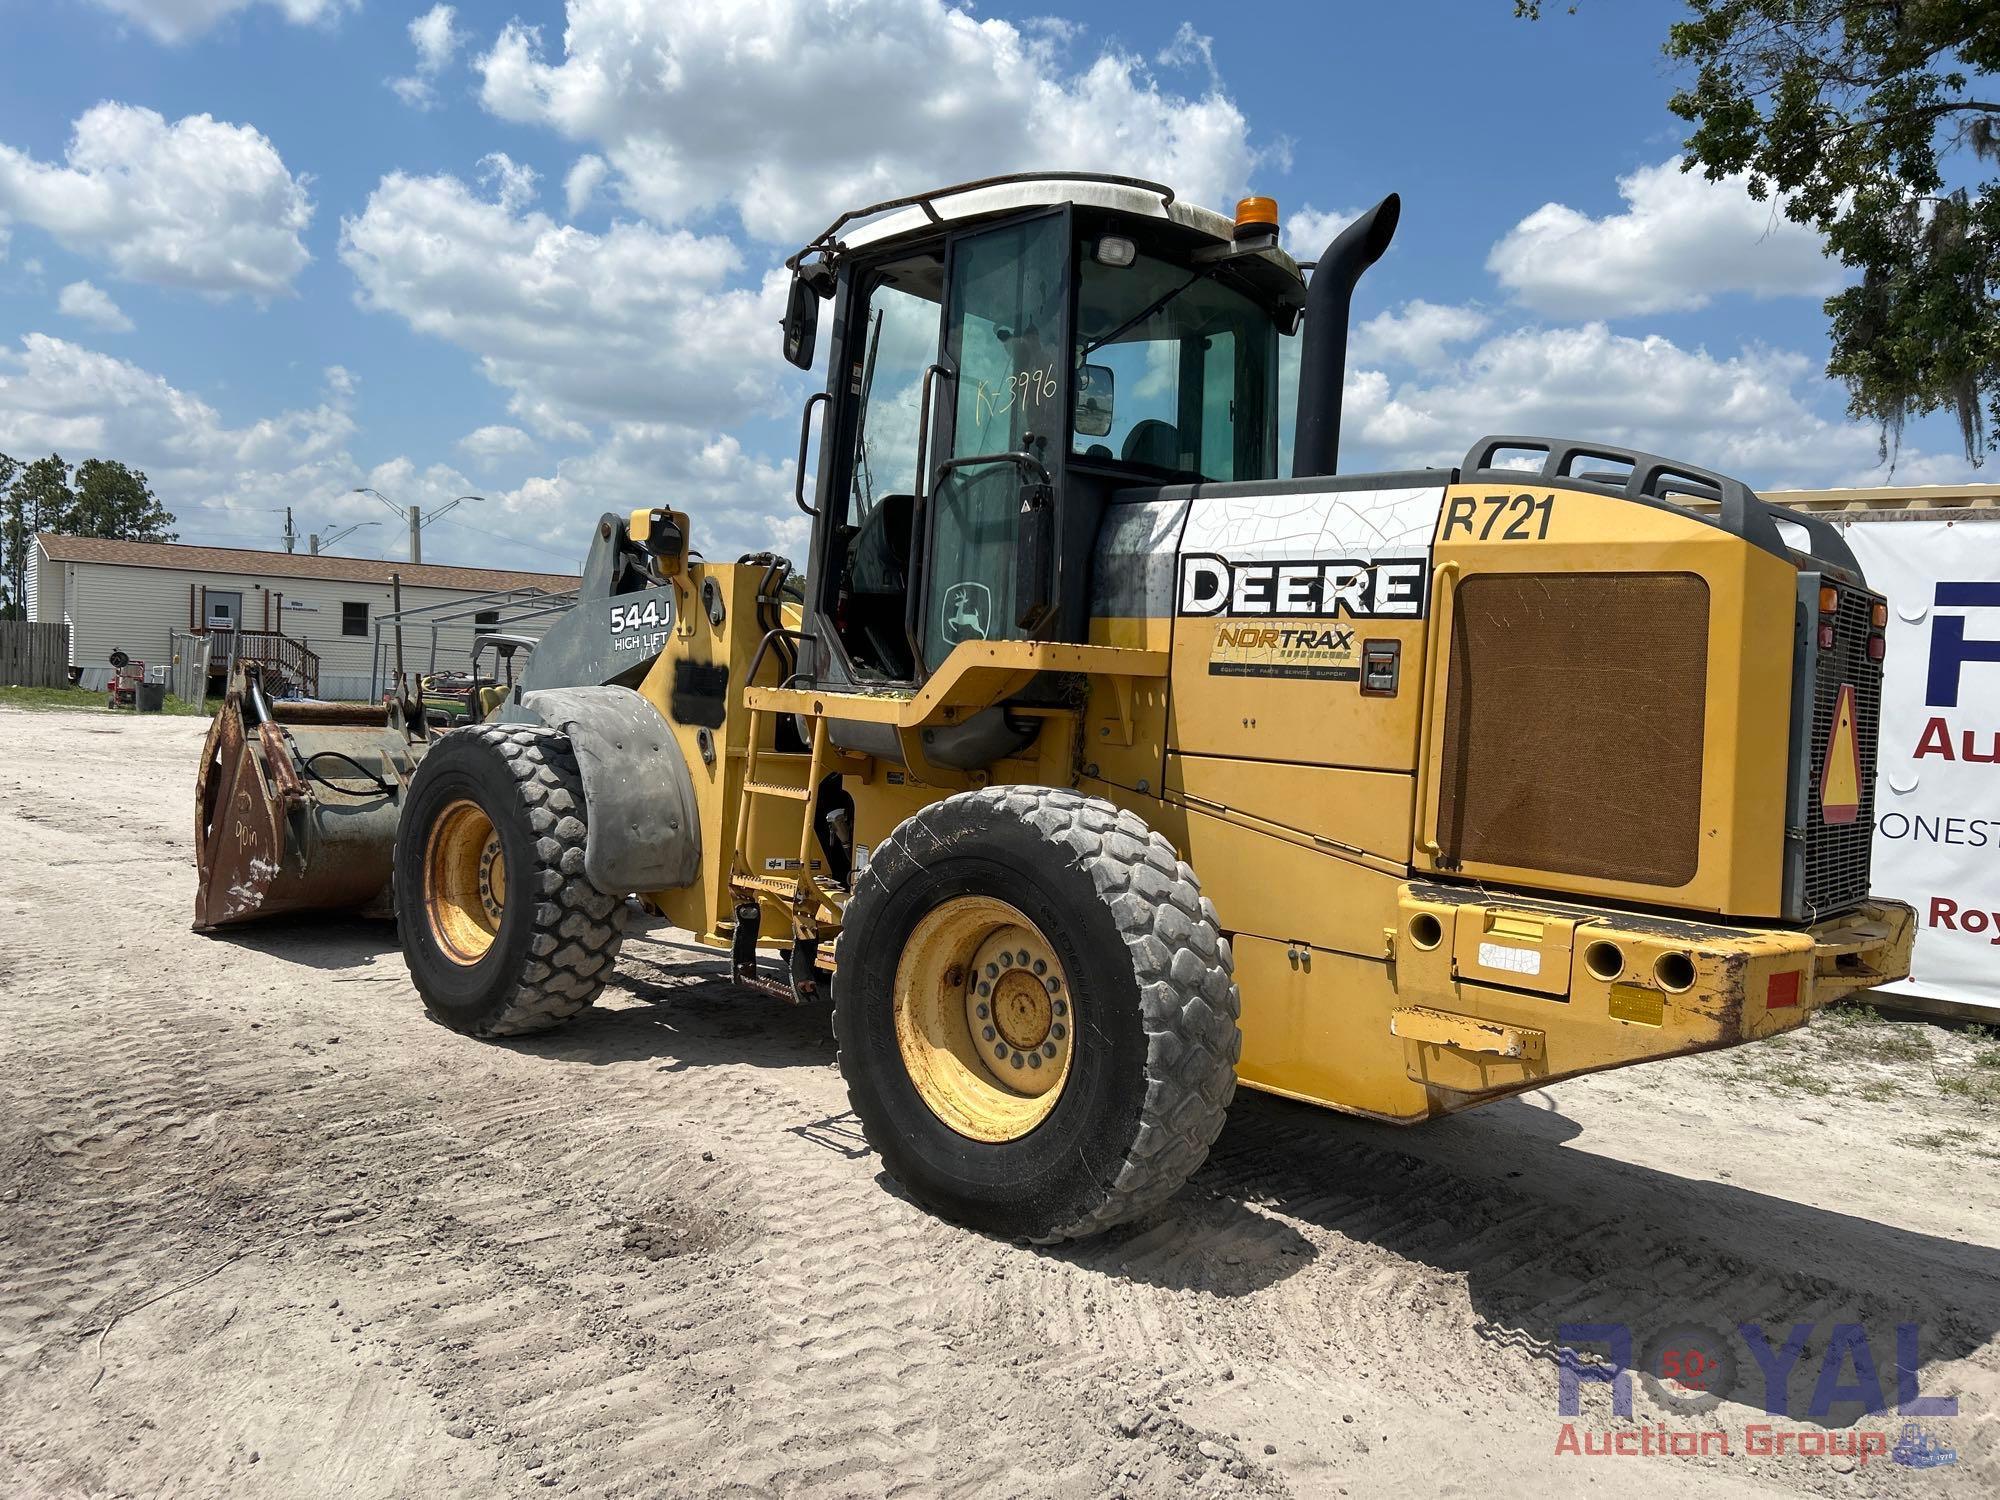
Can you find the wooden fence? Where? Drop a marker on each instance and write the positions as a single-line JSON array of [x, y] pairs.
[[34, 655]]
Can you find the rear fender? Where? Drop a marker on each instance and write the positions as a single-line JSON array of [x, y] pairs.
[[643, 833]]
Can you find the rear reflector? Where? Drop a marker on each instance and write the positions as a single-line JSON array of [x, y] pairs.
[[1782, 993]]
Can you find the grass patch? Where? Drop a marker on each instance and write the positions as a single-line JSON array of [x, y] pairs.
[[1974, 1088], [1876, 1090], [1798, 1079], [1857, 1032], [84, 700], [1941, 1140]]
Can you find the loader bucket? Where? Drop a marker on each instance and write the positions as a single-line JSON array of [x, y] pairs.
[[296, 806]]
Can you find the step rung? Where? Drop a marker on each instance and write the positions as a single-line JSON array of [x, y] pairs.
[[772, 885], [778, 789]]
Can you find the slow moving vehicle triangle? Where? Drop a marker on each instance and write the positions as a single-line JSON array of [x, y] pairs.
[[1840, 772]]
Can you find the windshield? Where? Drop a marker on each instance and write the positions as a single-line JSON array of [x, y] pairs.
[[1176, 370]]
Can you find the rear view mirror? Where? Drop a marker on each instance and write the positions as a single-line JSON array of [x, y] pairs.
[[1093, 401], [801, 323]]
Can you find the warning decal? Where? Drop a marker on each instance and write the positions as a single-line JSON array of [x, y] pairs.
[[1840, 772], [1303, 649]]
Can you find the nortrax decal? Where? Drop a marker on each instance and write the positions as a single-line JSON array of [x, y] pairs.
[[1320, 588]]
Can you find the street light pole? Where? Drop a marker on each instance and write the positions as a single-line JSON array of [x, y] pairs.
[[415, 516], [316, 541]]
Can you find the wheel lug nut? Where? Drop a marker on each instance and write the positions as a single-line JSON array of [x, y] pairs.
[[1048, 1049], [1034, 1059], [1000, 1050], [983, 1007], [1062, 1007], [987, 1033], [1041, 966], [1017, 1060], [1058, 1031]]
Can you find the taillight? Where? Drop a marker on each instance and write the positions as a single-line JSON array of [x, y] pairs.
[[1877, 648], [1826, 635], [1829, 599], [1879, 616]]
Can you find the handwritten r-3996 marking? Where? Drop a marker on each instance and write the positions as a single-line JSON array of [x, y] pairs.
[[1026, 387]]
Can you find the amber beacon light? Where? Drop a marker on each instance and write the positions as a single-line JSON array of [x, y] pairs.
[[1256, 216]]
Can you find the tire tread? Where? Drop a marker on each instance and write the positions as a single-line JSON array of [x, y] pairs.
[[578, 928]]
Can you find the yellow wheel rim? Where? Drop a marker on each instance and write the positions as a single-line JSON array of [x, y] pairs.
[[465, 882], [985, 1019]]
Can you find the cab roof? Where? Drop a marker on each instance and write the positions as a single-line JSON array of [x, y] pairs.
[[988, 197]]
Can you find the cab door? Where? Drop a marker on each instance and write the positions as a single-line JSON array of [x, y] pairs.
[[990, 520]]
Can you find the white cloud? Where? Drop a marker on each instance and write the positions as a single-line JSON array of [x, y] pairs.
[[59, 397], [1681, 241], [89, 304], [178, 20], [584, 179], [1416, 334], [512, 182], [437, 39], [633, 325], [807, 109], [1308, 231], [220, 481], [415, 91], [199, 204], [490, 444], [745, 499], [1743, 415]]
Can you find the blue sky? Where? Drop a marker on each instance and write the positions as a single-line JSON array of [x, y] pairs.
[[378, 260]]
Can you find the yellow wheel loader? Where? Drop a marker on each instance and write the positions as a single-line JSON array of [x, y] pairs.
[[1094, 767]]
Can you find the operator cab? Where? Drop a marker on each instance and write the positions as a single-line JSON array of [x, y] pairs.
[[1005, 356]]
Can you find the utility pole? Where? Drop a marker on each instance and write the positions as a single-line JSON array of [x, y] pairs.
[[416, 535], [291, 536]]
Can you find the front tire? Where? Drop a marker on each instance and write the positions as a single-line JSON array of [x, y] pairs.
[[503, 932], [1035, 1012]]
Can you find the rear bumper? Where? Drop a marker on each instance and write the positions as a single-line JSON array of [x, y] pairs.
[[1498, 994]]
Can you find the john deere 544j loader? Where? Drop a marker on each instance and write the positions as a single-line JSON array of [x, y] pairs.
[[1097, 767]]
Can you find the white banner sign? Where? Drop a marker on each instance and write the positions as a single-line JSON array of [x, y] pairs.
[[1937, 786]]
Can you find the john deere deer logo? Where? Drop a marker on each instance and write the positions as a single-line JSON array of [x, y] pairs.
[[968, 608]]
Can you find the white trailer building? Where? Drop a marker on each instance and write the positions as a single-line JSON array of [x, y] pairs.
[[136, 596]]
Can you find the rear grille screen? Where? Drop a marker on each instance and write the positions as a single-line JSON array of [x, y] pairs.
[[1837, 854], [1573, 724]]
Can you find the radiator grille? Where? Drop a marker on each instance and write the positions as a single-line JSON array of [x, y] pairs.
[[1837, 854], [1573, 725]]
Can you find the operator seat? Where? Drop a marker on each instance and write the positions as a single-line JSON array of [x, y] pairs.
[[881, 547], [878, 573], [1154, 443]]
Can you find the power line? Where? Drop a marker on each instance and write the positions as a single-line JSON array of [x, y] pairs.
[[501, 536]]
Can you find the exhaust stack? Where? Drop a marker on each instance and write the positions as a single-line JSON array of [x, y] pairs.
[[1323, 359]]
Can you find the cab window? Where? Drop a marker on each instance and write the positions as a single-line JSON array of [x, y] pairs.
[[898, 340], [1191, 365]]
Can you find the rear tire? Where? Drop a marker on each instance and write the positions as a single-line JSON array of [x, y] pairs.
[[986, 888], [498, 810]]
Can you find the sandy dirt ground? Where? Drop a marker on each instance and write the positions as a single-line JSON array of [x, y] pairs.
[[266, 1230]]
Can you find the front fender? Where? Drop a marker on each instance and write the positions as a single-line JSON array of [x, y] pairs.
[[642, 830]]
